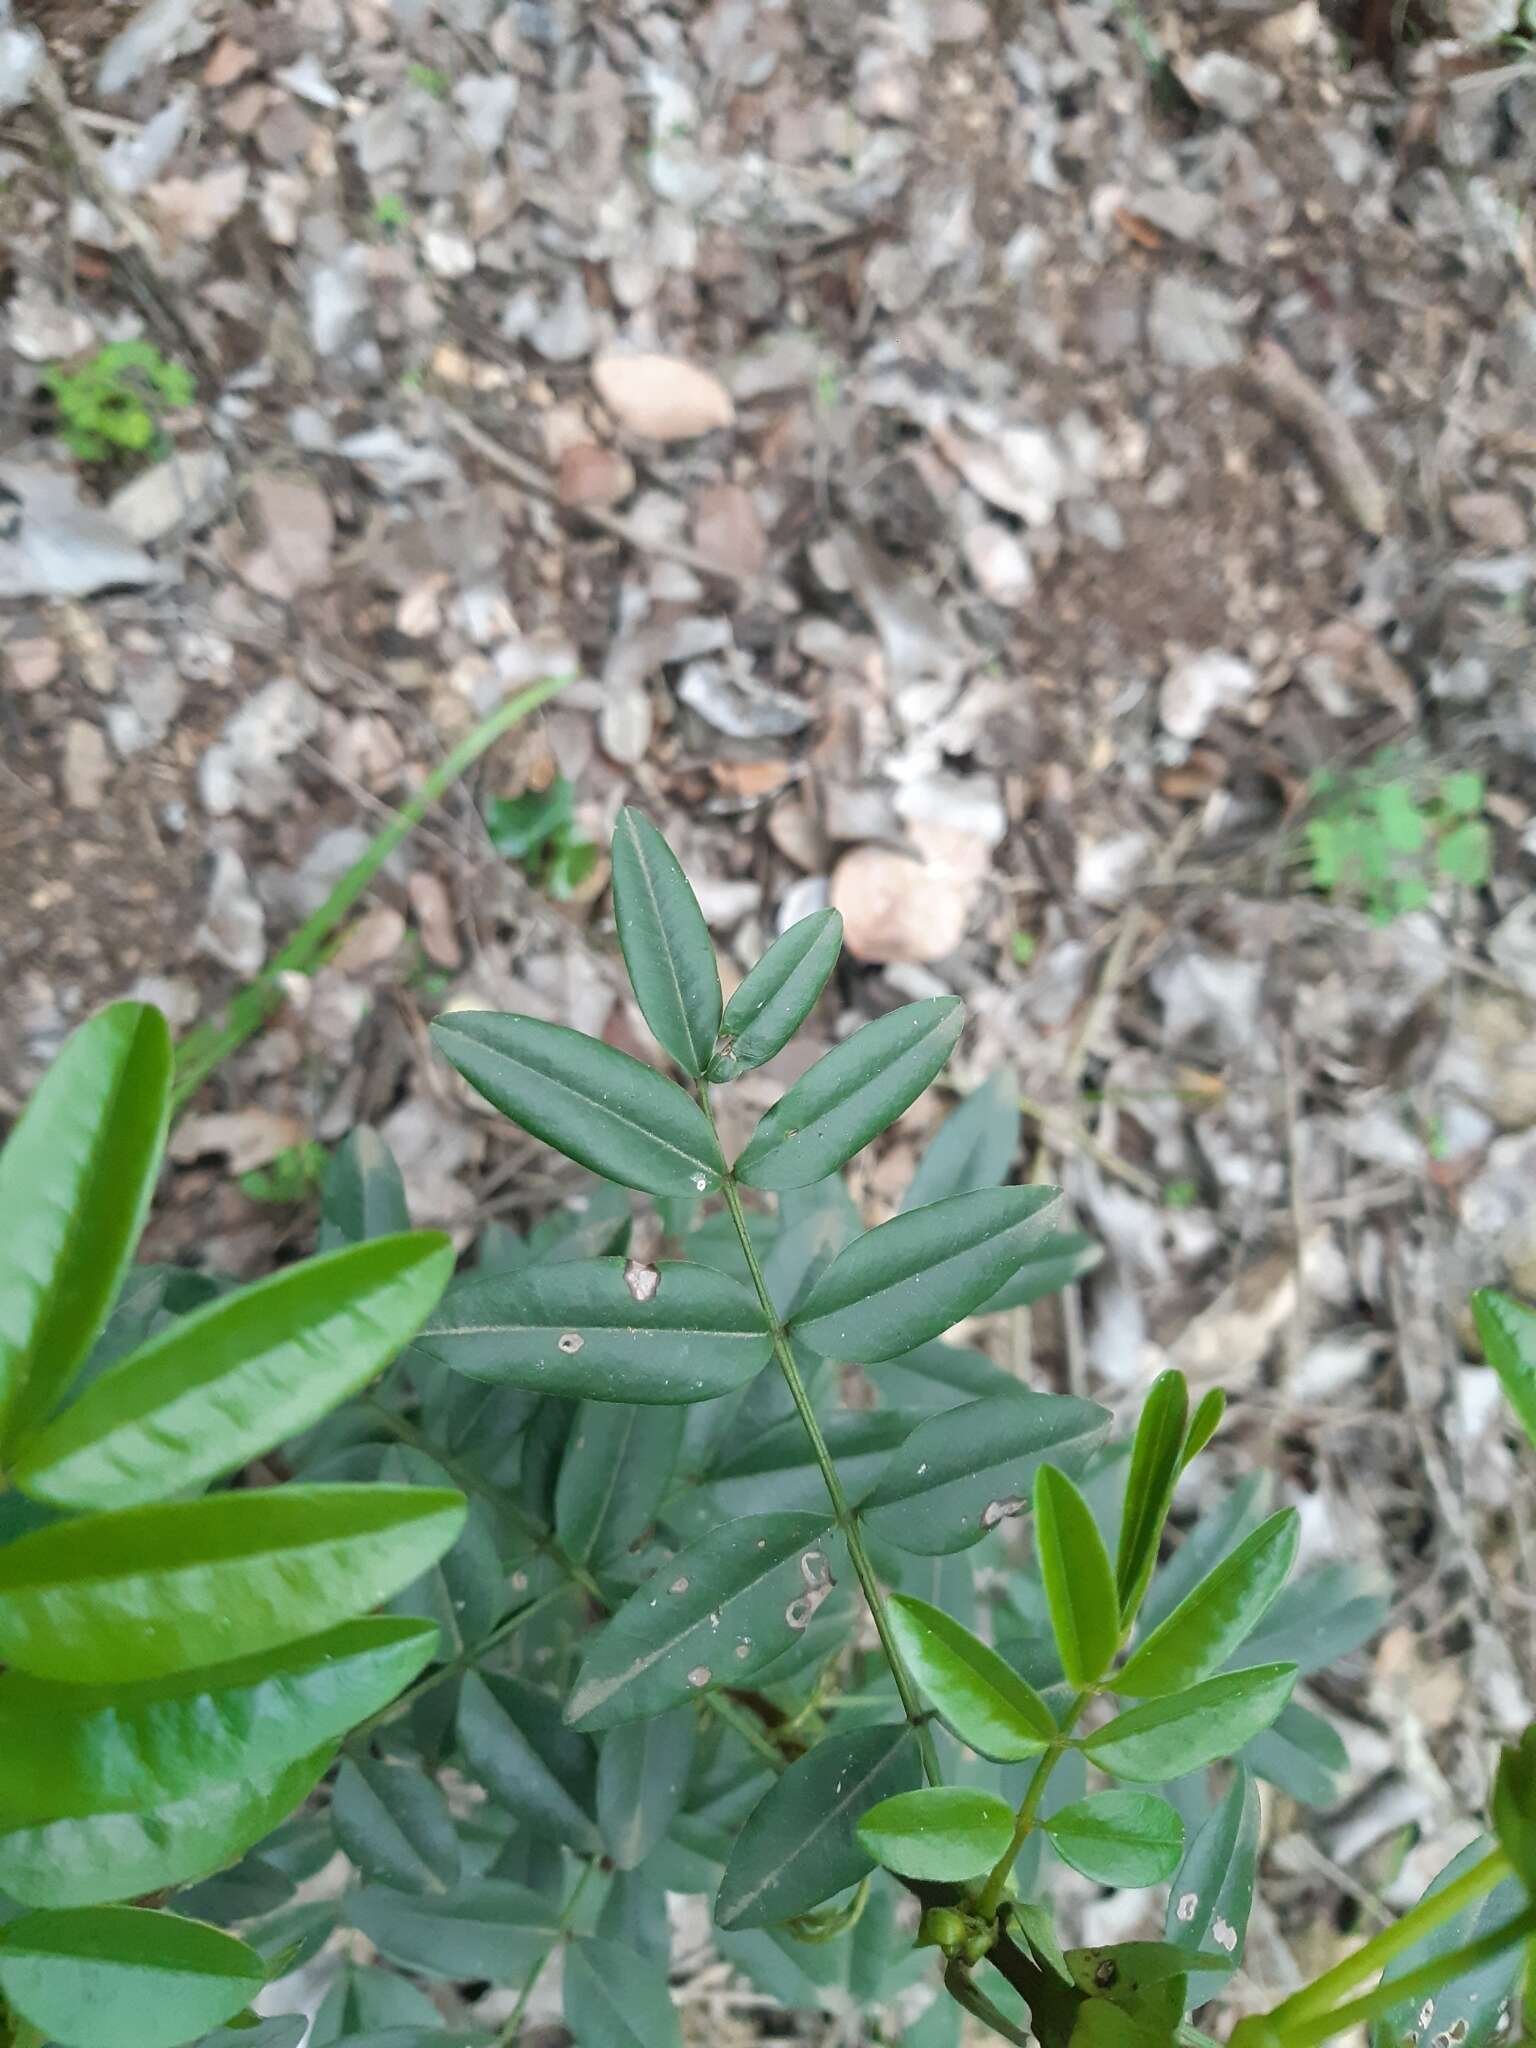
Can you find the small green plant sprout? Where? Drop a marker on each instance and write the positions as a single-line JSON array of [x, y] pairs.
[[427, 78], [538, 830], [291, 1176], [110, 407], [391, 213], [1385, 836]]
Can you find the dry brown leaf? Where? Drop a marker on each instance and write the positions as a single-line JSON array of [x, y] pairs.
[[434, 916], [662, 397], [750, 778], [247, 1138], [194, 209], [727, 529], [590, 474], [295, 515]]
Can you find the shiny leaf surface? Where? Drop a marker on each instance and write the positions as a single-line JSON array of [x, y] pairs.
[[778, 995], [665, 942], [1213, 1620], [982, 1699], [1079, 1582], [1119, 1838], [122, 1974], [944, 1832], [1167, 1737]]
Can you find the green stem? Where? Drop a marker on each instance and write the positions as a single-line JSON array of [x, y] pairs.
[[847, 1520], [1321, 1996], [992, 1892], [510, 2031], [211, 1044], [464, 1660], [1413, 1984]]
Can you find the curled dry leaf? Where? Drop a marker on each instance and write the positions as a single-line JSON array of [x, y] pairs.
[[662, 397]]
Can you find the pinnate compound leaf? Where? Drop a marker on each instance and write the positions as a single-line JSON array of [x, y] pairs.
[[944, 1832], [964, 1472], [76, 1176], [1156, 1461], [974, 1146], [801, 1844], [642, 1774], [615, 1998], [1120, 1838], [778, 995], [394, 1823], [91, 1859], [1508, 1332], [122, 1974], [979, 1697], [516, 1744], [604, 1330], [145, 1592], [362, 1194], [1470, 2008], [851, 1094], [595, 1104], [1211, 1895], [665, 942], [1212, 1621], [721, 1610], [1079, 1583], [1168, 1737], [224, 1384], [913, 1277], [488, 1927]]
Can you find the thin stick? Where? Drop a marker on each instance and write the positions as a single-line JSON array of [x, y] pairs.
[[510, 2031]]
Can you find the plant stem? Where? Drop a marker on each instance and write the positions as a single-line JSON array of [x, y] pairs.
[[992, 1892], [510, 2031], [211, 1044], [1312, 2032], [1322, 1995], [847, 1520], [461, 1662]]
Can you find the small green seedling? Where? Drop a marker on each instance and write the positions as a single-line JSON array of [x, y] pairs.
[[110, 407], [289, 1177], [390, 213], [1022, 946], [427, 78], [538, 830], [1383, 838]]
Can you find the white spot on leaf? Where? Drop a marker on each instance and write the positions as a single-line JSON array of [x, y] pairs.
[[1224, 1934], [642, 1280], [1185, 1911], [679, 1586], [699, 1675], [570, 1343]]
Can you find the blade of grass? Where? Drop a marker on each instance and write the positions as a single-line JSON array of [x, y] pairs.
[[210, 1044]]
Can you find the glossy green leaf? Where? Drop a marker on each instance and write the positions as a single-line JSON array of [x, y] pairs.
[[913, 1277], [1156, 1460], [642, 1774], [1507, 1329], [982, 1699], [1470, 2009], [76, 1177], [604, 1330], [1079, 1583], [1216, 1617], [123, 1975], [394, 1823], [943, 1832], [617, 1467], [970, 1469], [778, 995], [596, 1105], [1120, 1838], [224, 1384], [81, 1749], [516, 1744], [362, 1195], [665, 942], [724, 1608], [1211, 1895], [487, 1928], [1058, 1259], [974, 1146], [1203, 1425], [1168, 1737], [617, 1999], [851, 1094], [145, 1592], [801, 1844]]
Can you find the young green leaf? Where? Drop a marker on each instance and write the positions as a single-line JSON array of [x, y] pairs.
[[603, 1329], [593, 1103], [120, 1973], [394, 1823], [1470, 2008], [968, 1470], [974, 1146], [1211, 1895], [76, 1177], [617, 1999], [224, 1384], [119, 1747], [144, 1592], [665, 942], [904, 1282], [617, 1467], [1203, 1425], [1120, 1838], [487, 1927], [778, 995], [1508, 1332], [1079, 1584], [515, 1743], [721, 1611], [982, 1699], [91, 1859], [1156, 1456], [943, 1832], [800, 1845], [1212, 1622], [850, 1095], [642, 1774], [362, 1195], [1169, 1737]]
